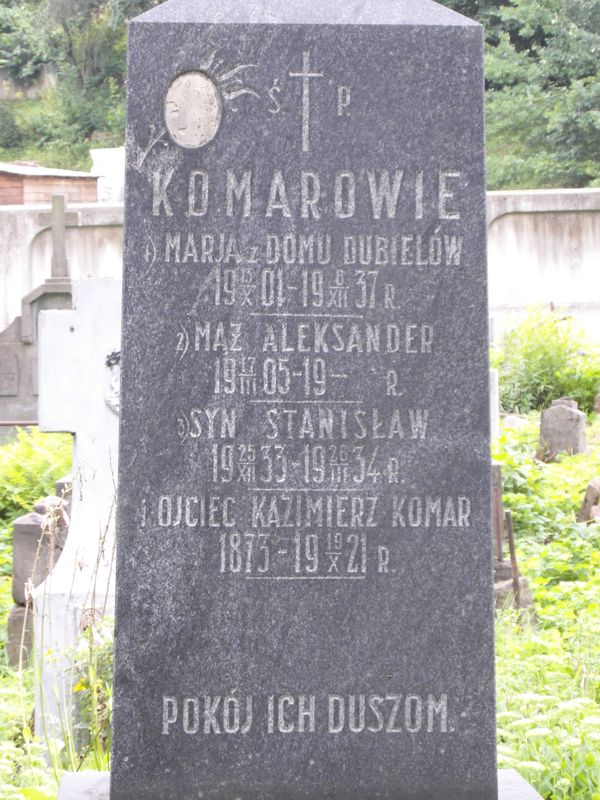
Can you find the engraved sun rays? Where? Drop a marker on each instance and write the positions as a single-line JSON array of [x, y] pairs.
[[229, 79]]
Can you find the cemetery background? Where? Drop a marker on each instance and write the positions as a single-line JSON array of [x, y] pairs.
[[63, 67], [548, 668], [548, 674]]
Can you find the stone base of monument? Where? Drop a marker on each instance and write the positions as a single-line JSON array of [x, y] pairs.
[[96, 786]]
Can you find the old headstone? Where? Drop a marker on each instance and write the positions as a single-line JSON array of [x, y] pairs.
[[55, 292], [507, 597], [562, 428], [18, 380], [27, 543], [18, 342], [590, 508], [304, 593], [78, 394], [38, 540]]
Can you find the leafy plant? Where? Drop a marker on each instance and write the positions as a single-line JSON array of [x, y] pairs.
[[93, 675], [548, 724], [543, 358], [544, 498], [29, 468], [548, 673], [543, 79], [9, 131], [23, 51], [23, 768]]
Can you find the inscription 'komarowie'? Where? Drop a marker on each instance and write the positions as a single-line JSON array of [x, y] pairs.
[[312, 195]]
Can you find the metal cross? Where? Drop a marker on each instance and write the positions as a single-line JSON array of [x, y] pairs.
[[306, 75]]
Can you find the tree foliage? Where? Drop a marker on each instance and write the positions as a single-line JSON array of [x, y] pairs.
[[543, 90], [9, 130], [23, 51], [83, 44], [542, 80]]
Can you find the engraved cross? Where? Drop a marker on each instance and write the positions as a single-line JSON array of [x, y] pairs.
[[306, 75]]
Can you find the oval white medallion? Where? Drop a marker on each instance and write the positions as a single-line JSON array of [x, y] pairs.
[[193, 109]]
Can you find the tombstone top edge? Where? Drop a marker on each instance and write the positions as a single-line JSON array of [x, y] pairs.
[[299, 12]]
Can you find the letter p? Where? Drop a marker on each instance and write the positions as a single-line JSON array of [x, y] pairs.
[[170, 714]]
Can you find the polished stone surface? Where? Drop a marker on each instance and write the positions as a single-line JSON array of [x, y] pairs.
[[304, 583]]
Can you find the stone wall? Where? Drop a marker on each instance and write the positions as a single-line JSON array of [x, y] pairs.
[[13, 89], [544, 249], [94, 244]]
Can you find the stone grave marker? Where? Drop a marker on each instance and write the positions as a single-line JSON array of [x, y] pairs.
[[18, 342], [38, 540], [590, 508], [562, 428], [30, 554], [77, 387], [304, 591]]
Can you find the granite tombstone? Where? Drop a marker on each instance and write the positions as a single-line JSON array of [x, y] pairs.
[[304, 578]]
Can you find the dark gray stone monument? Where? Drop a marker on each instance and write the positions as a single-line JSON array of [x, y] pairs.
[[304, 581]]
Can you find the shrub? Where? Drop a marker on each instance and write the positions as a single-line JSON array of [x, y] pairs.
[[93, 680], [29, 467], [545, 498], [9, 132], [548, 673], [22, 49], [544, 358], [45, 120]]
